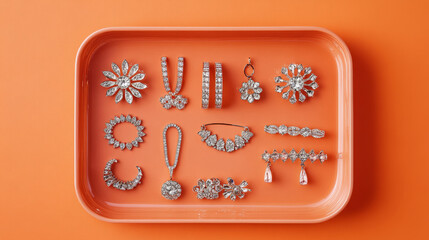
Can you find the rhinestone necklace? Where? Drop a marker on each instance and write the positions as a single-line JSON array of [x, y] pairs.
[[173, 99], [171, 189]]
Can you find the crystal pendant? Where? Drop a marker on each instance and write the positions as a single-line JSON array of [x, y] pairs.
[[268, 177], [303, 177]]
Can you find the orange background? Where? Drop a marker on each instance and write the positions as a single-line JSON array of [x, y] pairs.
[[38, 45]]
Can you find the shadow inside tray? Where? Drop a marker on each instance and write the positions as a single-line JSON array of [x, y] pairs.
[[365, 163]]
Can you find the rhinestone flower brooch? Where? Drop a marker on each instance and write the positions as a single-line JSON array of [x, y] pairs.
[[298, 78], [211, 188], [250, 90], [125, 80]]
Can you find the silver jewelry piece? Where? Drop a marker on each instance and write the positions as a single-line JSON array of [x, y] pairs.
[[127, 82], [250, 90], [219, 85], [171, 189], [294, 131], [172, 99], [296, 81], [222, 145], [206, 85], [111, 179], [209, 189], [233, 191], [122, 145], [292, 155]]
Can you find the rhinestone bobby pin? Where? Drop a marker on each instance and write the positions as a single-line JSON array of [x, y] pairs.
[[294, 131]]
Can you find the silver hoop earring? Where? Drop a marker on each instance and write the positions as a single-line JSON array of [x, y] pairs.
[[219, 85]]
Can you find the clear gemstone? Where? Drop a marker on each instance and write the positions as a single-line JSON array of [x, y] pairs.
[[268, 176], [128, 97], [138, 77], [239, 142], [119, 96], [135, 92], [283, 155], [317, 133], [139, 85], [211, 140], [116, 69], [272, 129], [293, 155], [313, 156], [303, 156], [108, 84], [296, 83], [112, 91], [292, 99], [284, 70], [266, 156], [323, 157], [282, 129], [133, 70], [314, 85], [293, 131], [229, 146], [220, 145], [275, 155], [246, 135], [303, 180], [204, 134], [305, 132], [301, 97]]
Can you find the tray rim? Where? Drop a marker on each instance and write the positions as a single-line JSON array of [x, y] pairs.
[[349, 114]]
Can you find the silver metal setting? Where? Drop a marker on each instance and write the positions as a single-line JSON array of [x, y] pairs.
[[233, 191], [111, 179], [220, 144], [121, 119], [171, 189], [250, 90], [296, 82], [294, 131], [125, 82], [173, 99], [209, 189], [270, 158], [219, 86], [205, 85]]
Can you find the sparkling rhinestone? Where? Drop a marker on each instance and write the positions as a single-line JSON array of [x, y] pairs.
[[211, 140], [305, 132], [283, 129], [220, 145], [246, 135], [293, 131], [317, 133], [272, 129], [323, 156], [313, 156], [275, 155], [229, 145], [293, 155], [239, 142], [266, 156], [124, 82], [303, 155], [283, 155]]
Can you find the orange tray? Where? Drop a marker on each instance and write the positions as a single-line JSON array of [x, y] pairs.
[[282, 201]]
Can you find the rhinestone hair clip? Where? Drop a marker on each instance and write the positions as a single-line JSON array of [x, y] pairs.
[[294, 131]]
